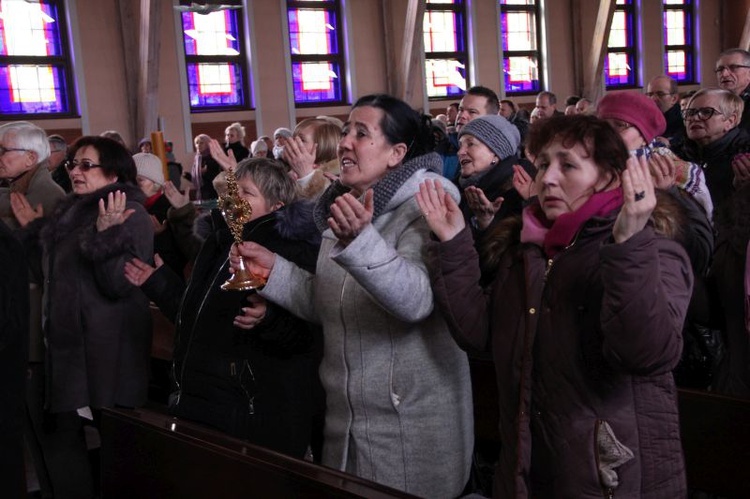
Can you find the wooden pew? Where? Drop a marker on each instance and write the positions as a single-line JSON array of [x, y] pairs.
[[716, 440], [150, 454], [715, 433]]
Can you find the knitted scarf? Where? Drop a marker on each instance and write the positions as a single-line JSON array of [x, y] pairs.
[[555, 236], [383, 190]]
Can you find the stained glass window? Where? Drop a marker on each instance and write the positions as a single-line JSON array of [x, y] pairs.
[[519, 27], [214, 60], [678, 40], [446, 60], [315, 39], [620, 65], [35, 74]]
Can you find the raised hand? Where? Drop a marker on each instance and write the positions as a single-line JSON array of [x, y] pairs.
[[523, 183], [137, 271], [176, 198], [439, 210], [113, 212], [258, 260], [225, 160], [639, 200], [253, 314], [298, 156], [484, 210], [159, 227], [663, 169], [22, 209], [349, 217]]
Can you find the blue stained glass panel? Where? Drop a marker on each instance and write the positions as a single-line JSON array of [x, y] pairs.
[[521, 74], [215, 85], [31, 89], [316, 82], [313, 31]]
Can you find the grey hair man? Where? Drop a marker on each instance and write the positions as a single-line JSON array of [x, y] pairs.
[[733, 74]]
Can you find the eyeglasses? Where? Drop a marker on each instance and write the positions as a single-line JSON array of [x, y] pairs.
[[620, 125], [4, 150], [732, 68], [85, 165], [703, 113], [659, 94]]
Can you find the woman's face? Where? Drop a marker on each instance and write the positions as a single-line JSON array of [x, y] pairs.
[[629, 133], [364, 153], [201, 146], [148, 186], [473, 156], [231, 136], [92, 179], [250, 193], [307, 135], [567, 178]]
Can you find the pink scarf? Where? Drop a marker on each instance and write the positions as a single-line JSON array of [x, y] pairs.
[[555, 236]]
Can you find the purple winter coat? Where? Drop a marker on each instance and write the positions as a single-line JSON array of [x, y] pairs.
[[583, 345]]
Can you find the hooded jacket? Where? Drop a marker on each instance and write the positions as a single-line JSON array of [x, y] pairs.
[[398, 392]]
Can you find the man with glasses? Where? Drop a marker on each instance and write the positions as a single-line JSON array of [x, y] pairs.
[[733, 74], [24, 150], [663, 91]]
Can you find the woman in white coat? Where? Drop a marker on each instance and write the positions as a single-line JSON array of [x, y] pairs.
[[399, 407]]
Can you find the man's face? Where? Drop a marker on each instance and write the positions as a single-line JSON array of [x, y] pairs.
[[451, 112], [733, 73], [659, 92], [472, 106], [13, 160], [546, 110], [506, 111]]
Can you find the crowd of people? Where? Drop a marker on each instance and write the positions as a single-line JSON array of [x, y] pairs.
[[597, 254]]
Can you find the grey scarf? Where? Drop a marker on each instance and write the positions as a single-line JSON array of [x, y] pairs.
[[383, 190]]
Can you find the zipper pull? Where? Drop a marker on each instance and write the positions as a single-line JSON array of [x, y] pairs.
[[549, 267]]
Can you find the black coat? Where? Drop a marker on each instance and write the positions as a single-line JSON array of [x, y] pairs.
[[14, 344], [165, 243], [258, 384], [98, 325]]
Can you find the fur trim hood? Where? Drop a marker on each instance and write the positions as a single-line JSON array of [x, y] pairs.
[[293, 222]]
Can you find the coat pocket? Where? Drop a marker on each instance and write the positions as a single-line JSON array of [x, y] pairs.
[[610, 454]]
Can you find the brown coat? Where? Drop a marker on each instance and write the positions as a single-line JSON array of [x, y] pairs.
[[583, 345]]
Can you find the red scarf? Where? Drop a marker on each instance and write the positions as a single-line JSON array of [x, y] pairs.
[[555, 236], [151, 200]]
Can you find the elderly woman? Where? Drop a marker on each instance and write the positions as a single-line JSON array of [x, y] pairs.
[[397, 386], [583, 320], [98, 325], [487, 155], [311, 154]]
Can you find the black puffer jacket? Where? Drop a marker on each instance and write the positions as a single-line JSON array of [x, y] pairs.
[[258, 384]]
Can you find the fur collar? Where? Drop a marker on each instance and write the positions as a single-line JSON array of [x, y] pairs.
[[76, 211], [293, 222]]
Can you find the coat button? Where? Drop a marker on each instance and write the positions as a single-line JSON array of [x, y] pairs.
[[532, 310]]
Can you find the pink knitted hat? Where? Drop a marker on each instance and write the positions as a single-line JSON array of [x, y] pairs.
[[633, 108]]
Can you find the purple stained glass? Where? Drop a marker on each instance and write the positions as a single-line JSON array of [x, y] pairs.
[[44, 20], [313, 31], [202, 40], [316, 82], [679, 64], [215, 85], [521, 74], [20, 93], [618, 69]]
